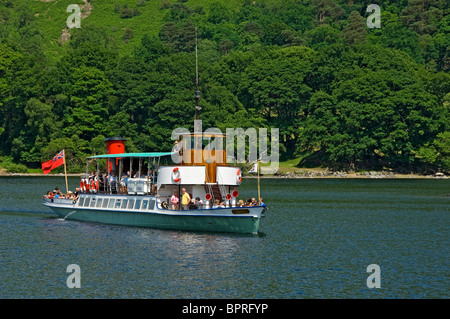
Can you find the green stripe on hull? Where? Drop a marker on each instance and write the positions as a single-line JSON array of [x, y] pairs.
[[235, 224]]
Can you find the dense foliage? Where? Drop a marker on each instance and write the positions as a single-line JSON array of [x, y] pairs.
[[343, 95]]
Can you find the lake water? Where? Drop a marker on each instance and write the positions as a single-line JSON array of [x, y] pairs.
[[317, 240]]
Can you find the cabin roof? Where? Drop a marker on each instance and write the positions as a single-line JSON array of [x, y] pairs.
[[121, 155]]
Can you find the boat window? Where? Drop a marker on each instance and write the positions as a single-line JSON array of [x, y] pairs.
[[99, 202], [105, 202], [138, 204], [111, 203], [151, 204], [118, 202], [81, 201], [124, 203], [144, 204], [130, 204], [93, 201], [86, 202]]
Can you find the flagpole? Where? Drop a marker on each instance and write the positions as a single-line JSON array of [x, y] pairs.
[[259, 191], [65, 171]]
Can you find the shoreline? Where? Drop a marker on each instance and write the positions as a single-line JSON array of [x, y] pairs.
[[351, 176]]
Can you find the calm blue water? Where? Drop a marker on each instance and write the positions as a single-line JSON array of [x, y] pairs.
[[317, 240]]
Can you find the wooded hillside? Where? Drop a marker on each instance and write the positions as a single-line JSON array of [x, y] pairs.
[[343, 95]]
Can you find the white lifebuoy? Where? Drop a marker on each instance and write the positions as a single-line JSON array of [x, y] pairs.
[[176, 177], [238, 176]]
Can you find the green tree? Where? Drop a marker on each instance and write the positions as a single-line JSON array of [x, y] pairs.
[[218, 13], [88, 98], [322, 36], [273, 34], [355, 31], [394, 34], [442, 146], [373, 113], [326, 10], [423, 15], [151, 48], [274, 86], [40, 126]]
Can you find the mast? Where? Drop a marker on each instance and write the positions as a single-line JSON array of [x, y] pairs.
[[197, 139], [197, 92]]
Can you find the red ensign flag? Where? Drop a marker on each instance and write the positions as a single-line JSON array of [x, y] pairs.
[[58, 160]]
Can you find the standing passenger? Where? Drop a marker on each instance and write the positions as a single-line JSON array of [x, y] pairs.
[[174, 200], [113, 182], [176, 150], [261, 202], [185, 200]]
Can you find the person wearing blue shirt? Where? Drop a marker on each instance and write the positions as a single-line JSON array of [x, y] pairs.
[[261, 203]]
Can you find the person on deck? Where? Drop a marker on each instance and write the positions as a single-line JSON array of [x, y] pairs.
[[176, 150], [174, 200], [185, 199], [261, 203], [77, 193], [198, 203], [125, 177], [49, 195], [113, 182]]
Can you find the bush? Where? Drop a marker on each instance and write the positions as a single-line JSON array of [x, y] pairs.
[[127, 13], [16, 168], [10, 167], [128, 34], [141, 3]]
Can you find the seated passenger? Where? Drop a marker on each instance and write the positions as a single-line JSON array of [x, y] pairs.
[[218, 204], [48, 195], [198, 203], [76, 194], [240, 203]]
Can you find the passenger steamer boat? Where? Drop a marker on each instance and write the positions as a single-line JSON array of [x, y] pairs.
[[145, 199]]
